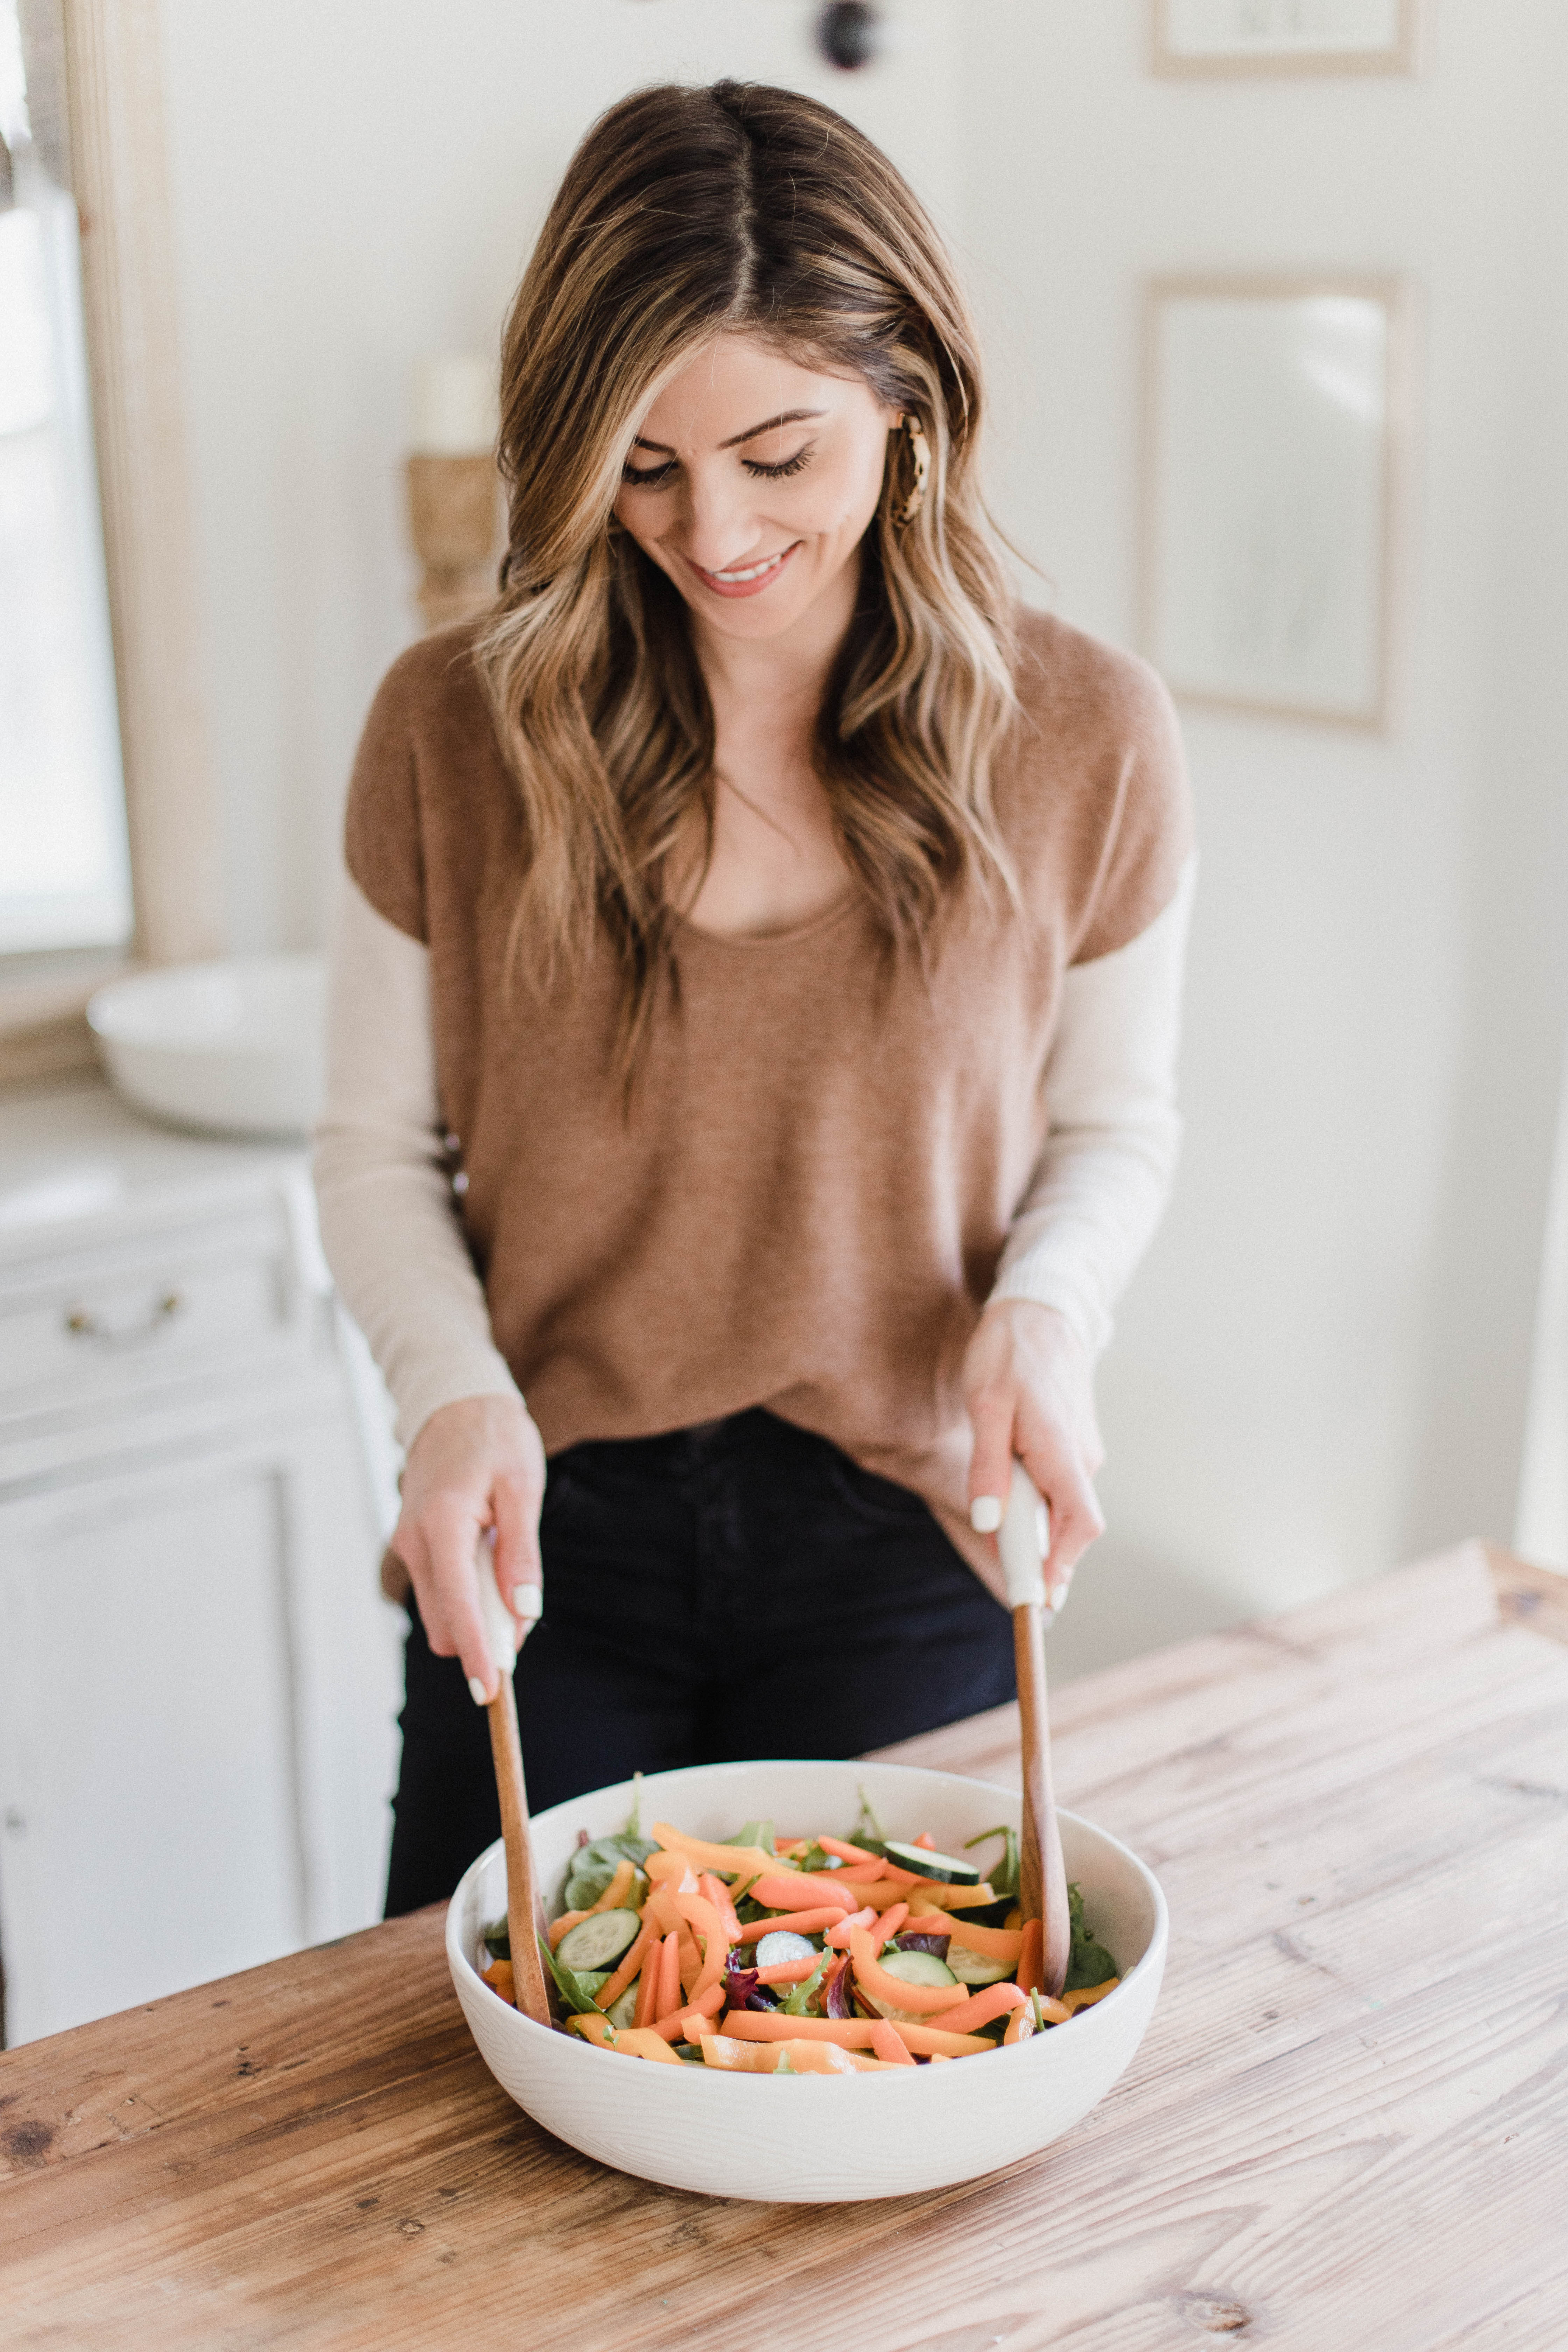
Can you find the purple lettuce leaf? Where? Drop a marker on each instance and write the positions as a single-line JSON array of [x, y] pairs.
[[743, 1989]]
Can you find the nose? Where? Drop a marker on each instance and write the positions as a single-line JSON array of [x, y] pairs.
[[718, 519]]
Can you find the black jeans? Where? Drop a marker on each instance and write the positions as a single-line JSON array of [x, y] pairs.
[[740, 1589]]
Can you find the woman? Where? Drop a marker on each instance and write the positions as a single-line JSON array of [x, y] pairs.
[[770, 936]]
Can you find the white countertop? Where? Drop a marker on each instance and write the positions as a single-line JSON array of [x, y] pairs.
[[76, 1164]]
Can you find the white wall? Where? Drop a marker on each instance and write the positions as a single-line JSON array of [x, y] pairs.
[[1322, 1368], [356, 185]]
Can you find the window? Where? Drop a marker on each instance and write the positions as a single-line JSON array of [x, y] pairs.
[[64, 880]]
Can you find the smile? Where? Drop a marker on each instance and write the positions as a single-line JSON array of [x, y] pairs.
[[744, 580]]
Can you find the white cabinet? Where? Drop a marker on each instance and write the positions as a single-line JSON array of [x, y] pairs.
[[198, 1675]]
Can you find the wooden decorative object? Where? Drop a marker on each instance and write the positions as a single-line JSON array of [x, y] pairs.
[[454, 513]]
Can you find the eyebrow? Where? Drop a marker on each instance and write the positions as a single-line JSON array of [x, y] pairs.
[[769, 425]]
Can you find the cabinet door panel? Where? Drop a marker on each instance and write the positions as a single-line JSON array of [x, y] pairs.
[[148, 1741]]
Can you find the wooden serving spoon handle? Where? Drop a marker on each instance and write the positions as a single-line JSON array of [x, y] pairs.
[[1042, 1874], [524, 1911]]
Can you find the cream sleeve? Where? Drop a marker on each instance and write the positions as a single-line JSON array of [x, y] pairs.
[[388, 1225], [1105, 1174]]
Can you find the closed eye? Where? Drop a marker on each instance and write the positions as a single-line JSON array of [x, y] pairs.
[[654, 477]]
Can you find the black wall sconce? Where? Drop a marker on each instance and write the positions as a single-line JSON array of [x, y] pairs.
[[849, 34]]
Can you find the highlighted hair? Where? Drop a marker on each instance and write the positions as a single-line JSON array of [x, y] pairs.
[[683, 215]]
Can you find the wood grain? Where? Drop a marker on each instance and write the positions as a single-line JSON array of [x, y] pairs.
[[524, 1912], [1042, 1877], [1345, 2125]]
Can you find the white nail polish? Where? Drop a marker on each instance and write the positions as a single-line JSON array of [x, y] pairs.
[[985, 1515], [527, 1601], [478, 1691]]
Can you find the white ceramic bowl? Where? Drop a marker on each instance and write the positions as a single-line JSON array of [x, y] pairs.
[[817, 2139], [230, 1048]]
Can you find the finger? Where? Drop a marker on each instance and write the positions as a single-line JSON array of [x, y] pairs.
[[1075, 1518], [518, 1570], [452, 1532], [990, 1416]]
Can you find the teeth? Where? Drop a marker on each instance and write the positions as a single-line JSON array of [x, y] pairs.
[[755, 573]]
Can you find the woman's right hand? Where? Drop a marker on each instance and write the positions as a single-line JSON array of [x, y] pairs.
[[476, 1464]]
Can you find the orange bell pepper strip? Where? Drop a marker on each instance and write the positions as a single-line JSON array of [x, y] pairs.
[[559, 1927], [1032, 1957], [685, 2024], [1087, 1995], [614, 1895], [611, 1992], [1003, 1943], [1020, 2025], [667, 1995], [671, 1870], [794, 1890], [837, 1939], [925, 1839], [983, 2008], [874, 1980], [499, 1978], [719, 1894], [800, 1923], [887, 1925], [698, 1913], [727, 1860], [932, 2042], [641, 2043], [592, 2027]]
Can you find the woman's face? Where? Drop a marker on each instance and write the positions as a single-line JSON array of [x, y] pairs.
[[751, 482]]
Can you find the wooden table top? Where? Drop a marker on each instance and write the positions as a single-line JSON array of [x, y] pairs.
[[1345, 2127]]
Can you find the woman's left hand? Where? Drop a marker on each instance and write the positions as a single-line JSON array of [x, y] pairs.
[[1029, 1383]]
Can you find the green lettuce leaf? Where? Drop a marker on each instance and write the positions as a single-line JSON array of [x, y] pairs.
[[1089, 1963], [575, 1987]]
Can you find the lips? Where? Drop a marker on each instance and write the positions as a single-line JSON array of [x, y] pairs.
[[745, 579]]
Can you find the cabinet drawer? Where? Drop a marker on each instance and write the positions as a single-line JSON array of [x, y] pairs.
[[114, 1319]]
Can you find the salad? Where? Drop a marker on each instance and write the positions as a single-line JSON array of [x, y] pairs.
[[765, 1954]]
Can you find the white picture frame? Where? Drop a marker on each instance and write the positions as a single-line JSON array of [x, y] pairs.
[[1274, 437], [1207, 37]]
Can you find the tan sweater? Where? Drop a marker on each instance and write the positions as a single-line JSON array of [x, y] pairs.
[[809, 1204]]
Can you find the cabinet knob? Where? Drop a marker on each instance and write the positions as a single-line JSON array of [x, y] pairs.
[[82, 1324]]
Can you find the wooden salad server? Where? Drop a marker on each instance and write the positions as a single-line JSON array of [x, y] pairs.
[[1042, 1874], [524, 1912]]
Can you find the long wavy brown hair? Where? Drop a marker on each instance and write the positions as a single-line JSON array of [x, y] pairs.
[[687, 213]]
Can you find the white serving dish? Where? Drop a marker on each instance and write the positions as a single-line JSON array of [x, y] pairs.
[[817, 2139], [227, 1048]]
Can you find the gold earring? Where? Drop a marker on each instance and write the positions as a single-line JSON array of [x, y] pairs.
[[920, 450]]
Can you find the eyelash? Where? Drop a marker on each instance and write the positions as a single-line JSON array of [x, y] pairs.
[[654, 477]]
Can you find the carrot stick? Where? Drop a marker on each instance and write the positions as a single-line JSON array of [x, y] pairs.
[[668, 1997], [846, 1852], [837, 1938], [982, 2008], [771, 2025], [931, 2042], [1032, 1957], [619, 1887], [790, 1972], [925, 1839], [719, 1894], [889, 1924], [698, 1913], [801, 1923], [610, 1993], [693, 2014], [887, 2046], [646, 2008], [499, 1978]]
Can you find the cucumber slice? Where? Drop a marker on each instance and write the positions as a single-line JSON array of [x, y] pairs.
[[598, 1941], [916, 1968], [623, 2012], [974, 1967], [943, 1867], [781, 1946]]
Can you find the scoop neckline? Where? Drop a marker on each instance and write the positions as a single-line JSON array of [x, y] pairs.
[[751, 942]]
